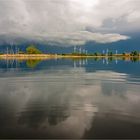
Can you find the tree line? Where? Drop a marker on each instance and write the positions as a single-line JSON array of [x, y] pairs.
[[32, 49]]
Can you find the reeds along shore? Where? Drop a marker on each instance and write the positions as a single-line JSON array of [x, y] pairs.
[[26, 56]]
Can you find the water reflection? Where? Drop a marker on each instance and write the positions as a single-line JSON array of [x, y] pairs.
[[32, 63], [60, 100], [77, 62]]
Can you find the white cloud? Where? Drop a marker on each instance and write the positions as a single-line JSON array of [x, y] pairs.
[[66, 21], [81, 37]]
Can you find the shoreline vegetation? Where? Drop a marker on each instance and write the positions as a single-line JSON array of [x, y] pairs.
[[33, 53]]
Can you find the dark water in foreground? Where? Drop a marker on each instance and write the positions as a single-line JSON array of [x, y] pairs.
[[69, 99]]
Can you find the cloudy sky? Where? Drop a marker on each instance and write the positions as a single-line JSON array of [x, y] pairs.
[[69, 22]]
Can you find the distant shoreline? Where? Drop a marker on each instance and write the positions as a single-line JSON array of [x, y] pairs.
[[55, 56]]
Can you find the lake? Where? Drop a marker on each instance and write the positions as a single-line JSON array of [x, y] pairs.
[[69, 98]]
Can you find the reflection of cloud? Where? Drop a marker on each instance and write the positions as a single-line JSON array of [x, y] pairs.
[[112, 125], [108, 75], [64, 103]]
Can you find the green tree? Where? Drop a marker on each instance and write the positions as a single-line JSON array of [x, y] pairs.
[[110, 53], [96, 54], [124, 53], [134, 53], [32, 50]]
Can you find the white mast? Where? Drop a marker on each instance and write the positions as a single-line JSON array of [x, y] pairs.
[[107, 52], [80, 50], [116, 52], [74, 49]]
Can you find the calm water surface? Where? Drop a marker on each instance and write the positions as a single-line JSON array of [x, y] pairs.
[[69, 99]]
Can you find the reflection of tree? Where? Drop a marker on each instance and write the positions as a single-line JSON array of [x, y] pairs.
[[32, 63], [135, 59], [96, 59], [110, 59]]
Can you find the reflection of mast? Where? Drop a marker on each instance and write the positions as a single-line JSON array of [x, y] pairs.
[[116, 61], [86, 61], [83, 62], [7, 63], [80, 63], [107, 61], [75, 64], [16, 63], [103, 61]]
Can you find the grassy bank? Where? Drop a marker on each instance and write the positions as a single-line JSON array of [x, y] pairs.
[[52, 56], [32, 52]]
